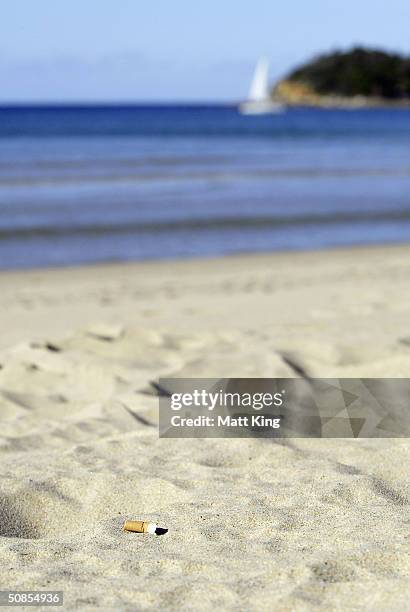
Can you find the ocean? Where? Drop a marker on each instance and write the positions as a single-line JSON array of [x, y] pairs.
[[82, 184]]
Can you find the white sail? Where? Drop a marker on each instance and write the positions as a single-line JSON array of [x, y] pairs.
[[260, 101], [260, 88]]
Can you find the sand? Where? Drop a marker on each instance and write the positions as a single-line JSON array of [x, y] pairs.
[[295, 524]]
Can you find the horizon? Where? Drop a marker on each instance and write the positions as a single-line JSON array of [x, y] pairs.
[[177, 102], [162, 54]]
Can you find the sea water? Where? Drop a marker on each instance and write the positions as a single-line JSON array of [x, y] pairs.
[[81, 184]]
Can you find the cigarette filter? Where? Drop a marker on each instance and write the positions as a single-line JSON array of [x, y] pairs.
[[140, 526]]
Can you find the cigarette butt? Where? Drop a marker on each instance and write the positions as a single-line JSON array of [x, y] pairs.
[[140, 526]]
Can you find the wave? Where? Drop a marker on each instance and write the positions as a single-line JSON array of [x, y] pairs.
[[240, 174], [201, 224], [123, 162]]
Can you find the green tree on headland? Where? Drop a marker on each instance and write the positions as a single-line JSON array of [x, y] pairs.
[[358, 72]]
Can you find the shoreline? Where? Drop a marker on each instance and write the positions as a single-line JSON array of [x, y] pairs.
[[204, 259], [330, 103]]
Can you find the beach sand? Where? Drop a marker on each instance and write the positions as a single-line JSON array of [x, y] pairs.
[[296, 524]]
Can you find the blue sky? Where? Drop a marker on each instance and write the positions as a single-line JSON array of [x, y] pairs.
[[170, 50]]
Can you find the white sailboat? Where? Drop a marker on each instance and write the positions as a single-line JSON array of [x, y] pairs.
[[259, 101]]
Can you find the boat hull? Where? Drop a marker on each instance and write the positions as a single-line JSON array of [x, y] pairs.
[[261, 108]]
